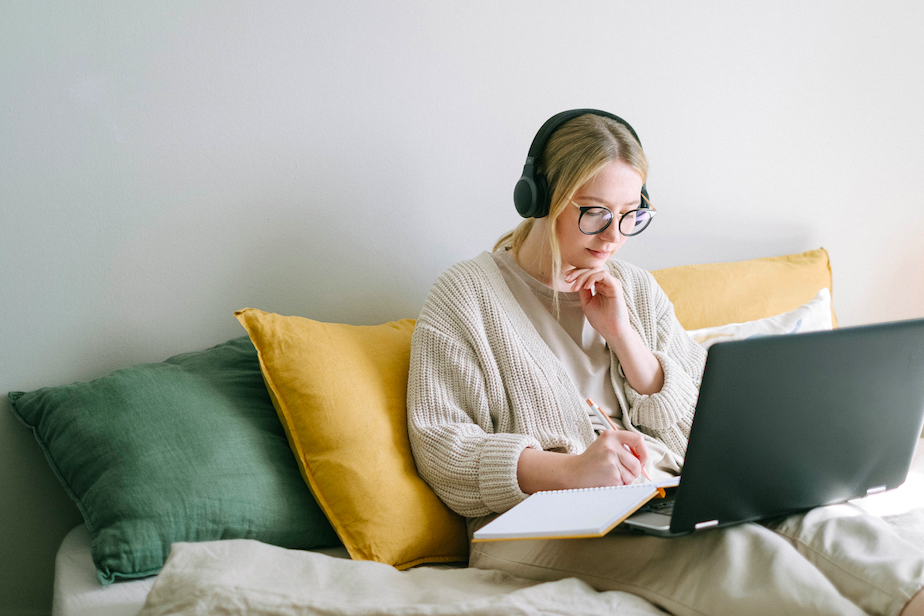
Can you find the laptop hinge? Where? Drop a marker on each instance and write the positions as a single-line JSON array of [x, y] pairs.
[[876, 490], [706, 524]]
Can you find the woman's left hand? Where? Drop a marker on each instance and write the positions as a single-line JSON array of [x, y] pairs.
[[606, 311], [602, 300]]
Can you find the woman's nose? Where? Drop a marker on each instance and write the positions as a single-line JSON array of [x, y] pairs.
[[611, 233]]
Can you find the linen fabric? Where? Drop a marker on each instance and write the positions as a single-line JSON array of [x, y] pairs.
[[340, 392], [77, 591], [189, 449], [830, 561], [220, 578], [484, 386], [811, 317], [714, 294]]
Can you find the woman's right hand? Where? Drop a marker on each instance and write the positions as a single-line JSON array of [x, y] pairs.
[[609, 460], [606, 462]]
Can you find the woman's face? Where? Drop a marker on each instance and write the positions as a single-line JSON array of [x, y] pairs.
[[617, 187]]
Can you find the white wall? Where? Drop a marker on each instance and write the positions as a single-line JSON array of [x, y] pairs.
[[165, 163]]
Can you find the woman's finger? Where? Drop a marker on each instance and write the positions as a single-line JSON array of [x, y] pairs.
[[586, 279], [630, 467], [636, 444]]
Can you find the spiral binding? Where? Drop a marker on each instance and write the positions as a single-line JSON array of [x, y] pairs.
[[631, 485]]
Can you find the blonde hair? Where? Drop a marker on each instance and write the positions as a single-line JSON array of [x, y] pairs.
[[574, 154]]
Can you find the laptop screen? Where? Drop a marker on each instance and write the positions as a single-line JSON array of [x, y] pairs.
[[787, 423]]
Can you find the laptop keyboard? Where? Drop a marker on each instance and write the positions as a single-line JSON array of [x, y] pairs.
[[662, 507]]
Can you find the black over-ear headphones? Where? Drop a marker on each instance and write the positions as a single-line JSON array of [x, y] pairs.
[[531, 194]]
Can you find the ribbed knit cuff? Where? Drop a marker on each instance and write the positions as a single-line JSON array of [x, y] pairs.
[[497, 469], [672, 405]]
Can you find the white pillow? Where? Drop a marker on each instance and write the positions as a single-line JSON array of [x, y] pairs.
[[811, 317]]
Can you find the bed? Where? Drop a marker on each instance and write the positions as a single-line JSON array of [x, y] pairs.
[[79, 593], [235, 475]]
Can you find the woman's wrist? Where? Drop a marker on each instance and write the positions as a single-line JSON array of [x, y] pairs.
[[625, 342], [539, 470], [621, 335], [642, 369]]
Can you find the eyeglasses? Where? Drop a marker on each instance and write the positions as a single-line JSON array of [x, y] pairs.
[[596, 220]]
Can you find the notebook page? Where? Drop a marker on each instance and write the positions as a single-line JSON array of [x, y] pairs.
[[590, 512]]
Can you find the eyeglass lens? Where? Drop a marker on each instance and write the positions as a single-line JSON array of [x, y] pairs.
[[595, 219], [634, 222]]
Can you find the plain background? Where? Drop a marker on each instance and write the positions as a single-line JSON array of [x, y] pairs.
[[163, 164]]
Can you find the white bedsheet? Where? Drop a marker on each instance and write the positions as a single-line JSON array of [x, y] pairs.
[[79, 593], [242, 576]]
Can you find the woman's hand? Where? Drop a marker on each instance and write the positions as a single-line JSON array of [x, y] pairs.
[[604, 305], [609, 460], [606, 462], [602, 300]]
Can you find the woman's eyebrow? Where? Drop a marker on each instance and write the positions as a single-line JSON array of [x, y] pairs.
[[630, 205]]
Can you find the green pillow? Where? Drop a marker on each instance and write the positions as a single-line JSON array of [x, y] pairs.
[[190, 449]]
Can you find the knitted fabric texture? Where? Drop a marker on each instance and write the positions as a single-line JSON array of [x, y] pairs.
[[483, 385]]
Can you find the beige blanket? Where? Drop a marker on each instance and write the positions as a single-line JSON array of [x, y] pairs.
[[241, 576]]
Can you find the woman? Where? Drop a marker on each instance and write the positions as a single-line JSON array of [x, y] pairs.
[[510, 344]]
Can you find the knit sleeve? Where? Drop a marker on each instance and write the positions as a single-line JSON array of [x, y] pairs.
[[668, 414], [451, 427]]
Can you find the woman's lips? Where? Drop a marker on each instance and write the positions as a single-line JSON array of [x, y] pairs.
[[598, 254]]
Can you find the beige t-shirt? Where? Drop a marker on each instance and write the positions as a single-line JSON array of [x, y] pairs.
[[581, 349]]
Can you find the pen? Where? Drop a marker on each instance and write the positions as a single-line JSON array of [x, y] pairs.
[[608, 421]]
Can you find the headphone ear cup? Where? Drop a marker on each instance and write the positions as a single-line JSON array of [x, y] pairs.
[[542, 197], [527, 195]]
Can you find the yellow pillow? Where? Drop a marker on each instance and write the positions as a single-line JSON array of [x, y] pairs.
[[715, 294], [340, 392]]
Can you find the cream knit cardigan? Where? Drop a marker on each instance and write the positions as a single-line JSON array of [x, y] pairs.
[[483, 385]]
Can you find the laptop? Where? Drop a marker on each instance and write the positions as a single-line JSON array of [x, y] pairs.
[[787, 423]]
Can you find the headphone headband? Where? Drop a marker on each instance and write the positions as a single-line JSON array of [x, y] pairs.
[[531, 194], [552, 124]]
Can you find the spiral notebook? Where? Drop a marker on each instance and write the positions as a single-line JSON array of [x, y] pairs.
[[570, 514]]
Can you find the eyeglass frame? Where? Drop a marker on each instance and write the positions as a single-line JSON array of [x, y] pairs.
[[648, 208]]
